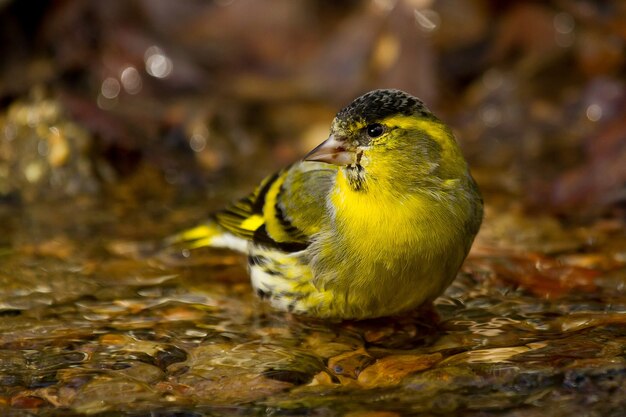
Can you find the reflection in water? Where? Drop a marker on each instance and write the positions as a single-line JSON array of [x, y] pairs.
[[83, 328]]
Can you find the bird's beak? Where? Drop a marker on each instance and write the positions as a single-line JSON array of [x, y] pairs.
[[332, 151]]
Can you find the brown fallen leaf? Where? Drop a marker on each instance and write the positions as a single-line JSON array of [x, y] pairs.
[[350, 364], [542, 275], [24, 400], [391, 369], [326, 379], [60, 247]]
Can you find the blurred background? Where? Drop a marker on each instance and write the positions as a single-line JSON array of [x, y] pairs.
[[122, 122], [161, 101]]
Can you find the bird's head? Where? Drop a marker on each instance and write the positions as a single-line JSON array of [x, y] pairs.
[[390, 136]]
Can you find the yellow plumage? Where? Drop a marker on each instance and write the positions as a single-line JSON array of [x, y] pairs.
[[375, 221]]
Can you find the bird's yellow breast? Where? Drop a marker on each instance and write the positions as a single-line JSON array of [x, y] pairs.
[[384, 224]]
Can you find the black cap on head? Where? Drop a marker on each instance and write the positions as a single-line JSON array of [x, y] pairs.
[[378, 104]]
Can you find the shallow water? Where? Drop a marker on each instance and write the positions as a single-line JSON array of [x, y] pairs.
[[534, 321], [124, 122]]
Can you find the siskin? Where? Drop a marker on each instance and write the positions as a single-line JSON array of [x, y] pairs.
[[375, 221]]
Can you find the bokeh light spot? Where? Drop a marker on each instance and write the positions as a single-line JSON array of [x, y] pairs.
[[197, 142], [158, 64], [131, 80], [427, 20], [110, 88], [594, 112], [564, 23]]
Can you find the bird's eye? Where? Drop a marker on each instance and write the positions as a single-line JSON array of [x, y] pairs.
[[374, 130]]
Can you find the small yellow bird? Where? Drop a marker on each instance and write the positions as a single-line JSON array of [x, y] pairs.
[[375, 221]]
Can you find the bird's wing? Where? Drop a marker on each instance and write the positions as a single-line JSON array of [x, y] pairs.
[[284, 211], [302, 201]]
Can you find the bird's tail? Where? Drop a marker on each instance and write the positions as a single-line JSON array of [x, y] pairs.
[[196, 237], [209, 234]]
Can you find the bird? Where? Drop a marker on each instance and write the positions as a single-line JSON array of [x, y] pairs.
[[376, 221]]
